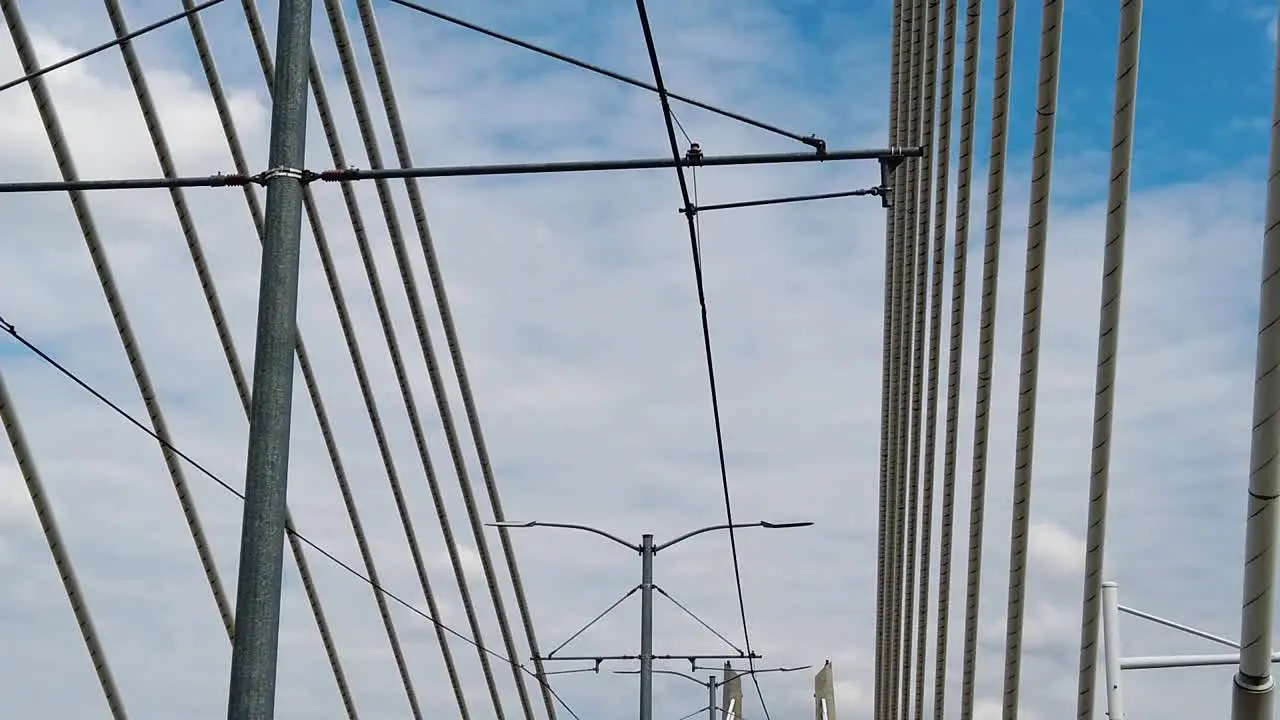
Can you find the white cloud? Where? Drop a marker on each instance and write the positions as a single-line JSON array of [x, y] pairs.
[[580, 326]]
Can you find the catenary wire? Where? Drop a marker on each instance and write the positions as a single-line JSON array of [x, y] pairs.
[[362, 243], [955, 353], [986, 344], [694, 241], [236, 149], [11, 329], [1126, 90], [811, 140]]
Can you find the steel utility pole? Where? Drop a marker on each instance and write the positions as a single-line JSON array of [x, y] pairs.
[[647, 549], [257, 621]]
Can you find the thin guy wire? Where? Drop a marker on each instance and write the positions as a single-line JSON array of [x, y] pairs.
[[61, 558], [366, 256], [308, 374], [12, 331], [164, 156], [418, 208], [391, 217], [700, 621], [955, 356], [694, 240], [986, 342], [935, 322], [1126, 92], [888, 392], [106, 280], [810, 140], [190, 11], [924, 71], [599, 616], [1032, 312], [910, 242]]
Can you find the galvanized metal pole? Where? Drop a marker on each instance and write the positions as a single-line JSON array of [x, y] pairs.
[[711, 697], [257, 623], [646, 627]]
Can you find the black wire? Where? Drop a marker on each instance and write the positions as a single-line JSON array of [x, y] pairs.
[[108, 45], [699, 620], [12, 330], [694, 241]]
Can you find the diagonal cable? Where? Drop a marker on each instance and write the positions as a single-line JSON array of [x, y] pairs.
[[938, 249], [888, 393], [955, 353], [254, 23], [417, 207], [699, 620], [355, 89], [160, 143], [594, 620], [986, 344], [190, 10], [918, 229], [1032, 311], [124, 328], [706, 329], [12, 330], [810, 140], [61, 558], [1126, 91], [326, 429]]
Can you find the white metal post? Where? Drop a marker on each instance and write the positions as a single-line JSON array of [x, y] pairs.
[[1111, 649]]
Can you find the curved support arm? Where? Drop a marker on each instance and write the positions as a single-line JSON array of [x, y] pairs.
[[677, 673], [568, 526], [710, 528]]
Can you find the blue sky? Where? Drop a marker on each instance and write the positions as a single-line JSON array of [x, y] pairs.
[[577, 314]]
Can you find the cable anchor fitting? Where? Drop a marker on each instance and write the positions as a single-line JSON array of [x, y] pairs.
[[302, 176]]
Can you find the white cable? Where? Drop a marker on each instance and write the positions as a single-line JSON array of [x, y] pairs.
[[1032, 312], [1126, 91]]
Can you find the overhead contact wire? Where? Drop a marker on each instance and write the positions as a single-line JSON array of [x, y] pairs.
[[694, 240]]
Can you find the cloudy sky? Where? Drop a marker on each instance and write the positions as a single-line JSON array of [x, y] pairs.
[[576, 308]]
